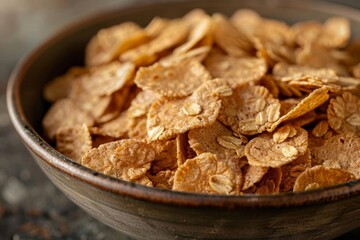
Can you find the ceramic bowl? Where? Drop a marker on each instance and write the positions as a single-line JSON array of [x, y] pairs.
[[150, 213]]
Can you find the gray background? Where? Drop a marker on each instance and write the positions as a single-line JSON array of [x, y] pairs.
[[30, 206]]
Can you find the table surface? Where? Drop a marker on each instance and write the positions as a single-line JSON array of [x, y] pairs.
[[31, 207]]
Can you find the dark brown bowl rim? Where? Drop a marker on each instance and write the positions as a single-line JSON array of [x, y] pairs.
[[49, 155]]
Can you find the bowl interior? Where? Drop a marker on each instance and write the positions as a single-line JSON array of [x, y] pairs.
[[66, 49]]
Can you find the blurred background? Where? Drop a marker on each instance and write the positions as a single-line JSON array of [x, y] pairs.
[[30, 206]]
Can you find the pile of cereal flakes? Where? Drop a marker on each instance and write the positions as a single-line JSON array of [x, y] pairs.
[[217, 105]]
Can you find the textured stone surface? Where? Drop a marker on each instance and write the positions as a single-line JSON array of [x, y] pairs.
[[31, 207]]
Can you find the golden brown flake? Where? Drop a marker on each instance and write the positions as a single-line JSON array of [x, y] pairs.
[[73, 141], [208, 174], [249, 110], [263, 151], [235, 70], [166, 121], [60, 87], [335, 33], [125, 159], [312, 101], [308, 78], [104, 80], [246, 21], [216, 139], [107, 101], [344, 113], [173, 34], [319, 176], [317, 56], [227, 37], [286, 72], [343, 149], [109, 43], [172, 81], [303, 33], [64, 113]]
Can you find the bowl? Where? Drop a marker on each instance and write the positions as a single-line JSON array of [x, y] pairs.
[[150, 213]]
